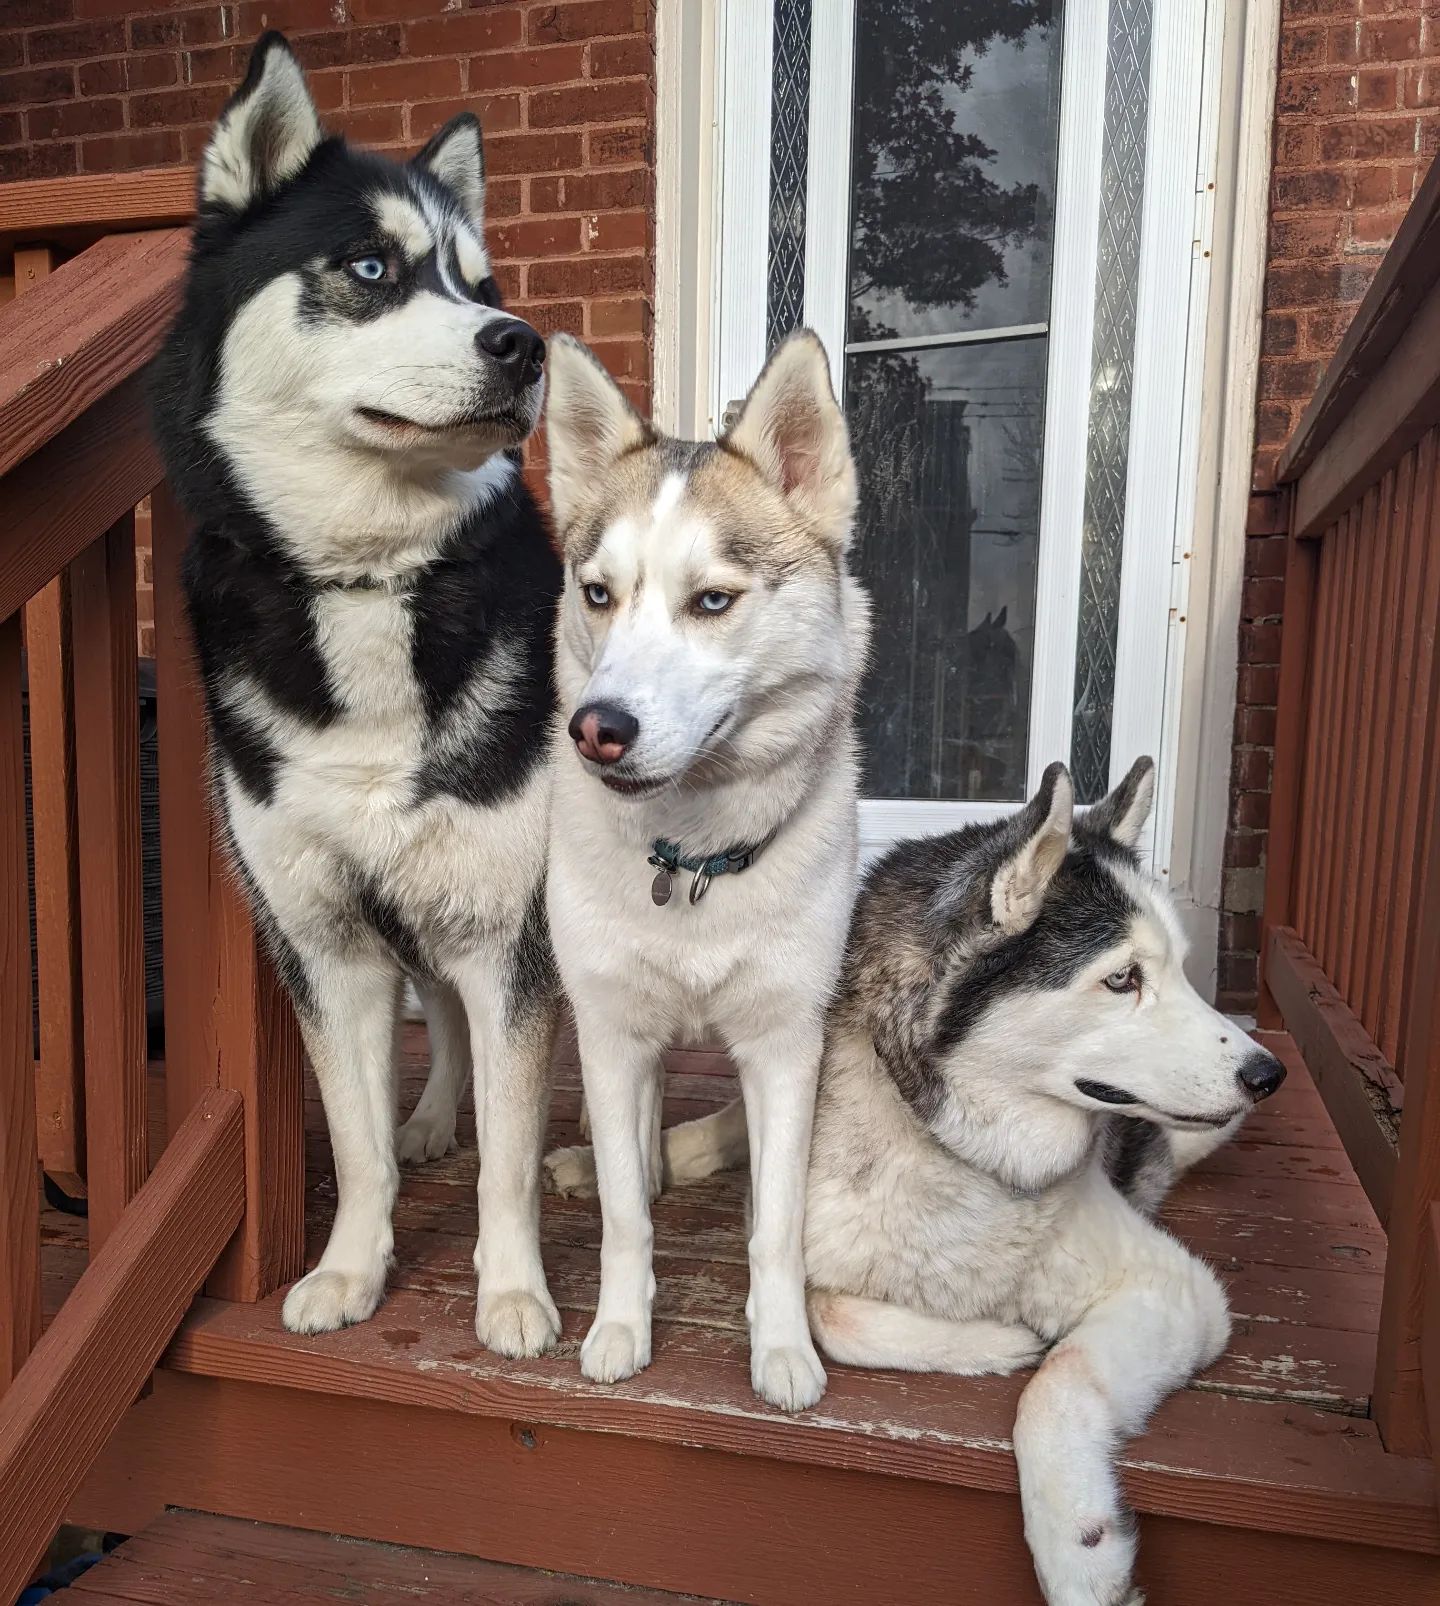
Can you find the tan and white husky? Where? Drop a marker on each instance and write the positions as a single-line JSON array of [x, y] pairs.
[[703, 850]]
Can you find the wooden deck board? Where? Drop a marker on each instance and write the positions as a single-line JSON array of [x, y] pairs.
[[189, 1558]]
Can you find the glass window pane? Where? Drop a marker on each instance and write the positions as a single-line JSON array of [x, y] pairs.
[[957, 115], [948, 445]]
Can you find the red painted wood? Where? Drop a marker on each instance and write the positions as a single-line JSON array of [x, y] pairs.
[[97, 1353], [189, 1558], [1395, 824], [227, 1020], [1295, 735], [19, 1168], [760, 1524], [112, 944], [96, 320]]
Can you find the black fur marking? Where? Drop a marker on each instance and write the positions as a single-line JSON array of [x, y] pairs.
[[385, 920], [1131, 1148], [534, 980], [250, 609], [289, 966], [494, 593], [248, 751], [1085, 912]]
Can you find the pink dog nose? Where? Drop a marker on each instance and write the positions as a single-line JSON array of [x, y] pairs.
[[603, 732]]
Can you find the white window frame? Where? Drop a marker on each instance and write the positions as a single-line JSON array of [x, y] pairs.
[[1179, 158]]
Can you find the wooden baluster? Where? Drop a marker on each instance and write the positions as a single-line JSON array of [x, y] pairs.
[[1405, 1336], [228, 1022], [19, 1165], [112, 949], [60, 1084], [1293, 699]]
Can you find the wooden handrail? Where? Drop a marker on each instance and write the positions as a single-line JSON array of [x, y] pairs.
[[87, 1369], [62, 211], [81, 333]]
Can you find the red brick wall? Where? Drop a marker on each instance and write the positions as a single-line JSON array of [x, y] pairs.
[[1357, 119], [565, 92]]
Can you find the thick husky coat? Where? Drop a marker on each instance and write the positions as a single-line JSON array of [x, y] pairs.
[[973, 1197], [372, 595], [709, 647]]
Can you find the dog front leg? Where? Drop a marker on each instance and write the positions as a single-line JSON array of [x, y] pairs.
[[350, 1038], [622, 1083], [514, 1314], [430, 1131], [778, 1075], [1099, 1385]]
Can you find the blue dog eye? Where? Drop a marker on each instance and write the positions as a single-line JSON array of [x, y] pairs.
[[715, 601], [371, 269]]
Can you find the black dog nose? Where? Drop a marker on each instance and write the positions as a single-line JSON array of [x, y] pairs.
[[1260, 1074], [602, 731], [515, 346]]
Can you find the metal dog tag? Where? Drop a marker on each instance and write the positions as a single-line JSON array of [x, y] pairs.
[[660, 888]]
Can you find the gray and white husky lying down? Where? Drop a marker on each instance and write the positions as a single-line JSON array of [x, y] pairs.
[[974, 1197]]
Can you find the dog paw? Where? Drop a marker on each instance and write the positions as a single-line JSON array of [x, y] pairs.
[[517, 1325], [571, 1173], [424, 1137], [613, 1351], [327, 1300], [789, 1376]]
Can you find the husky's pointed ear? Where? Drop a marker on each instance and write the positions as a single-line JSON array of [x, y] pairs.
[[1040, 834], [1122, 815], [791, 428], [265, 134], [456, 156], [588, 425]]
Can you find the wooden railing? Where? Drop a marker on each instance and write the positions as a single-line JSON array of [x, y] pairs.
[[224, 1200], [1352, 905]]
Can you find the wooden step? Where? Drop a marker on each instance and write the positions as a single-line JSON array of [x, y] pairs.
[[190, 1558], [897, 1486]]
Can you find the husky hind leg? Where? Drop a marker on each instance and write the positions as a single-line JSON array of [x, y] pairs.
[[689, 1152], [1097, 1387], [872, 1332], [430, 1131], [696, 1149], [350, 1037]]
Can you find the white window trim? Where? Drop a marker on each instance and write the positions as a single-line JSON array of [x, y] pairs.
[[1243, 58]]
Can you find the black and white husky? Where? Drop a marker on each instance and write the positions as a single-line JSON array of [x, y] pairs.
[[974, 1197], [372, 595]]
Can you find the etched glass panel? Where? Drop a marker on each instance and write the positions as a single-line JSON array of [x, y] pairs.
[[1122, 187], [947, 444], [789, 168]]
